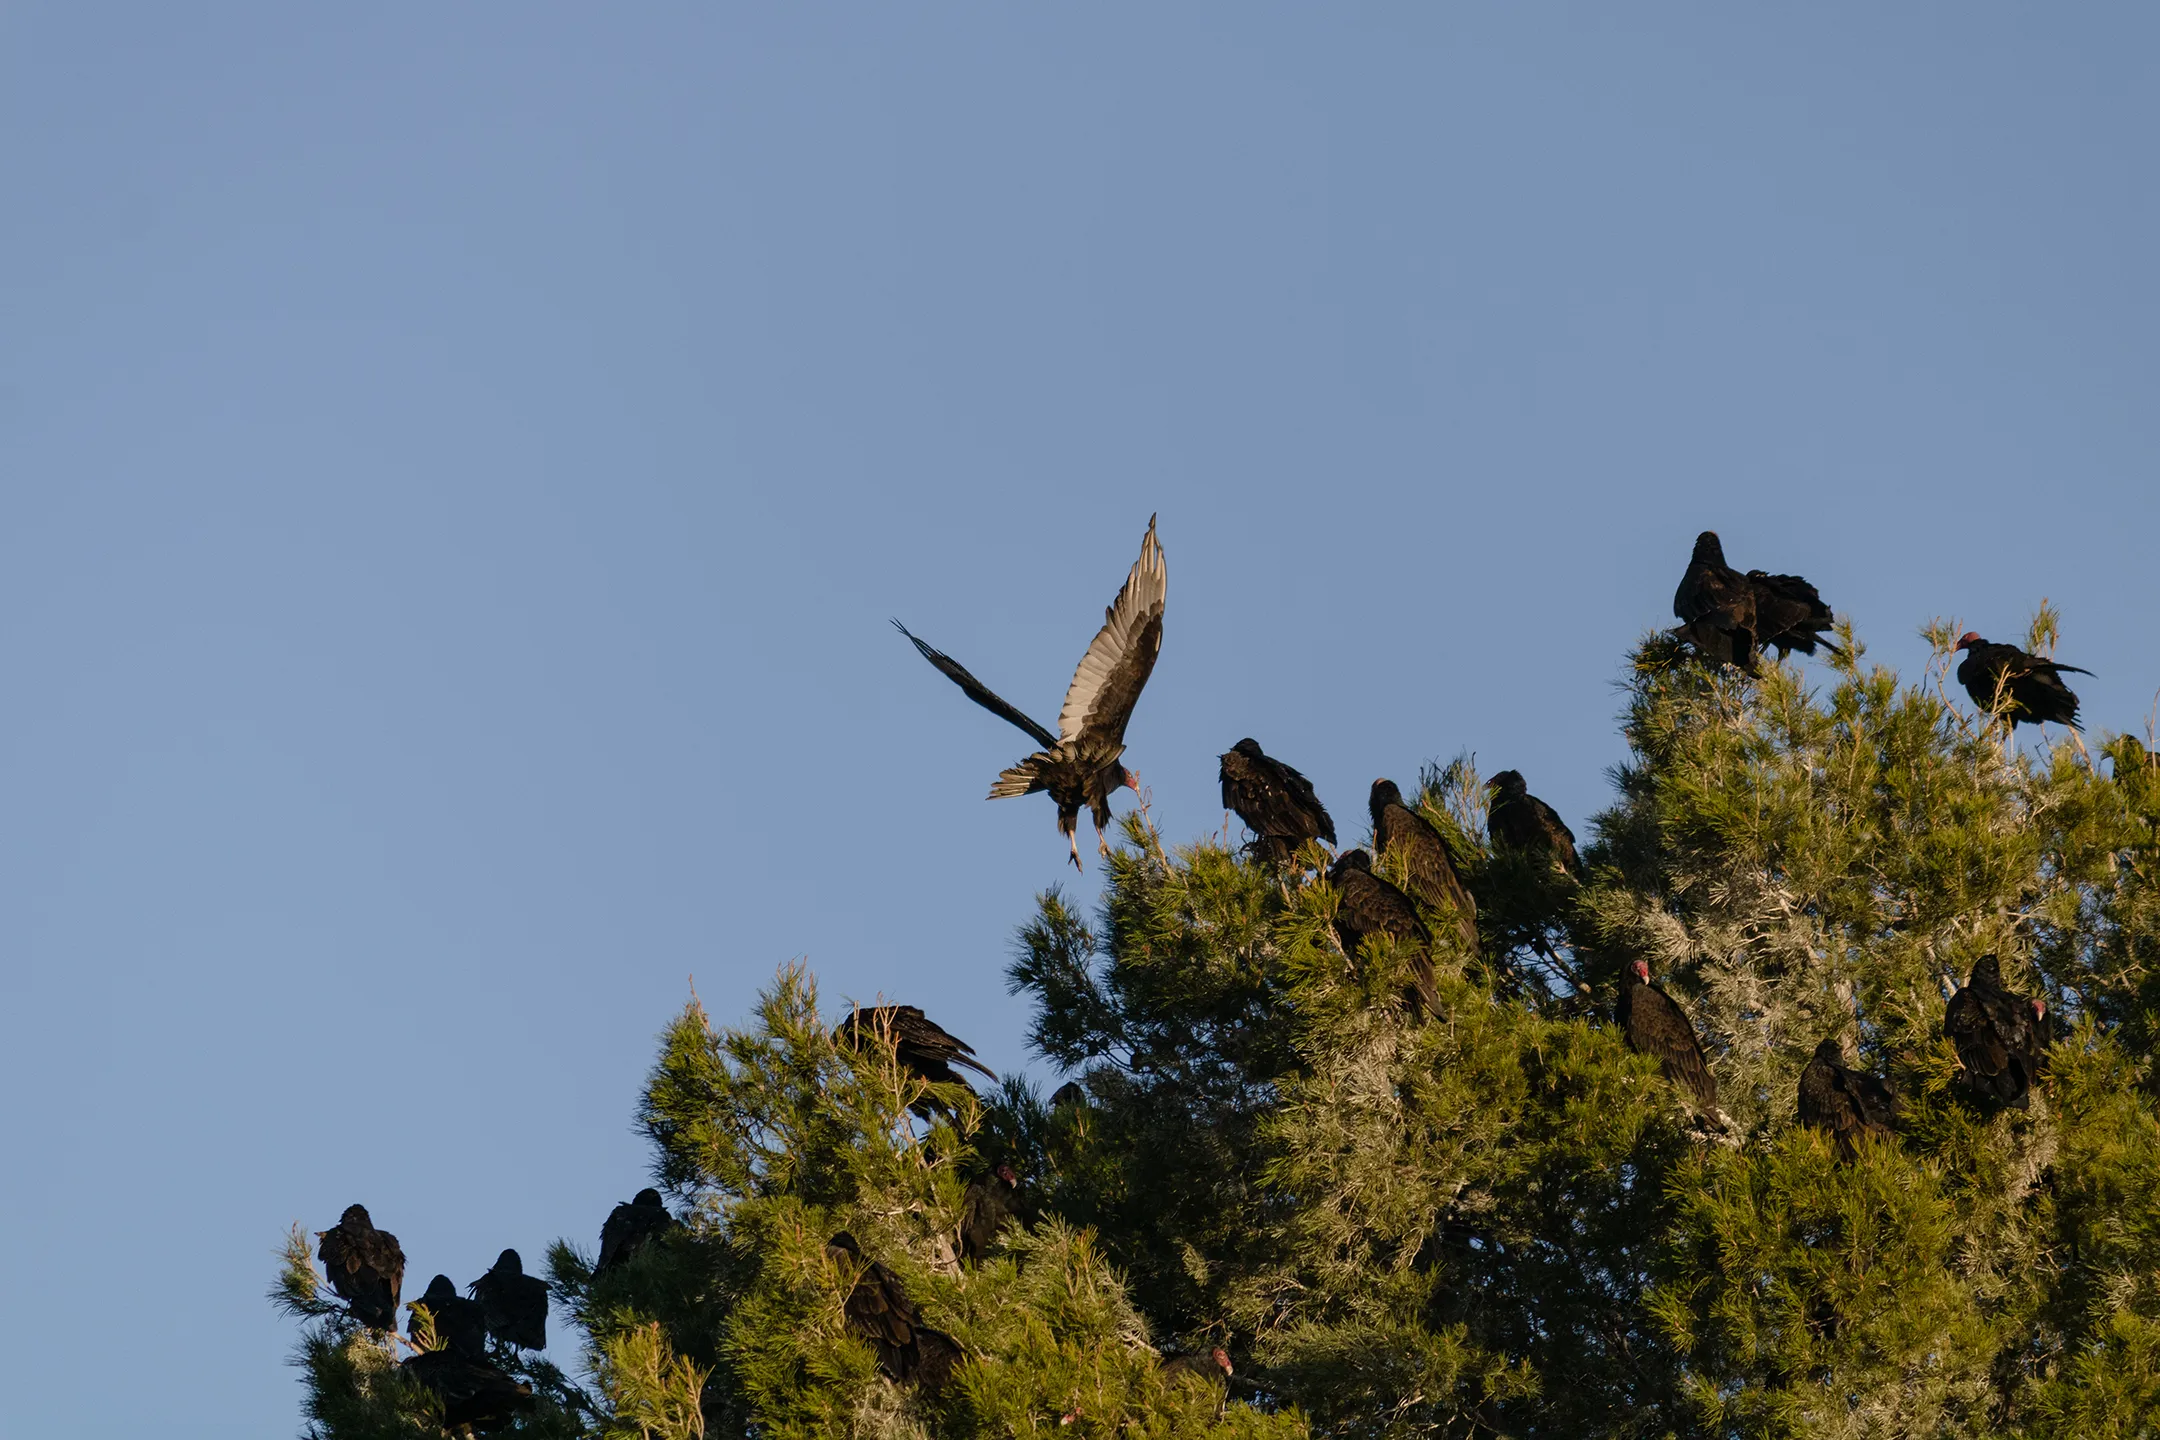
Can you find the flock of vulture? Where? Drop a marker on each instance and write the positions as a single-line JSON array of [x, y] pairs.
[[1728, 618], [366, 1269]]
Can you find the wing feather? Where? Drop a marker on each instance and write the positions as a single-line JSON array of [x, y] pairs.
[[980, 693], [1107, 683]]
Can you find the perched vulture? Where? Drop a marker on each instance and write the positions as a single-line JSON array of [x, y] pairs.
[[1212, 1365], [474, 1391], [1730, 618], [2004, 680], [1655, 1024], [879, 1311], [1846, 1103], [365, 1266], [516, 1303], [921, 1045], [2001, 1037], [1276, 803], [1079, 765], [1520, 821], [1428, 864], [460, 1324], [990, 1202], [1069, 1093], [1368, 905], [630, 1228]]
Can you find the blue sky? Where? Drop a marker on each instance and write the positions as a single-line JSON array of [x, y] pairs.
[[457, 463]]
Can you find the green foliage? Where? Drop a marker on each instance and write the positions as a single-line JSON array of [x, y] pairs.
[[1491, 1218]]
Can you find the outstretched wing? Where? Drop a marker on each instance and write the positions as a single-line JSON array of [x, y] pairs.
[[1107, 683], [980, 693]]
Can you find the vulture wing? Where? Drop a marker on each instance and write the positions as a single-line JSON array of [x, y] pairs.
[[1107, 683], [1790, 613], [1276, 802], [980, 693], [1655, 1024], [1429, 865], [1981, 1024]]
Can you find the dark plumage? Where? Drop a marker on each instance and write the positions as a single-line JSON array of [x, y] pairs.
[[630, 1228], [2004, 680], [1367, 905], [460, 1324], [878, 1310], [990, 1203], [1846, 1103], [1071, 1093], [2001, 1037], [1654, 1024], [474, 1391], [1428, 864], [1212, 1365], [516, 1304], [1519, 820], [922, 1046], [1276, 803], [1079, 765], [1730, 618], [366, 1267]]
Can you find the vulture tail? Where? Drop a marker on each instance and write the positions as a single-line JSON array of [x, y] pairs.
[[1024, 778]]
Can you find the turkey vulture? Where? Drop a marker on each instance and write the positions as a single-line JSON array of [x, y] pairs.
[[1276, 803], [473, 1390], [1079, 765], [2004, 680], [1520, 821], [1655, 1024], [990, 1201], [1846, 1103], [516, 1303], [2001, 1037], [1368, 905], [630, 1228], [365, 1266], [1072, 1092], [1212, 1365], [878, 1310], [1428, 864], [1730, 617], [922, 1046], [460, 1324]]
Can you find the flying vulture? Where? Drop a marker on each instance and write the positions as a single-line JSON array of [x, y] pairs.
[[366, 1267], [2001, 1037], [1276, 803], [1429, 865], [630, 1228], [1655, 1024], [1730, 618], [922, 1046], [990, 1201], [460, 1324], [1368, 905], [878, 1310], [1846, 1103], [2004, 680], [516, 1303], [474, 1391], [1079, 765], [1520, 821]]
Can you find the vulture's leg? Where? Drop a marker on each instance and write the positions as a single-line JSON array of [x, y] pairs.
[[1072, 836]]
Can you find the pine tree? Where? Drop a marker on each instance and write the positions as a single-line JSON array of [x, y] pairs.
[[1485, 1216]]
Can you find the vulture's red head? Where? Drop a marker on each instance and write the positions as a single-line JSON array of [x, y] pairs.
[[2039, 1008], [1005, 1173], [1969, 639], [1642, 971], [1221, 1357]]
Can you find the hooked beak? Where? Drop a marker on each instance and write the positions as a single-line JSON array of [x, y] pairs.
[[1132, 782]]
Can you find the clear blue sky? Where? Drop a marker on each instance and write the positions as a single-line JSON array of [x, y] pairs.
[[457, 462]]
